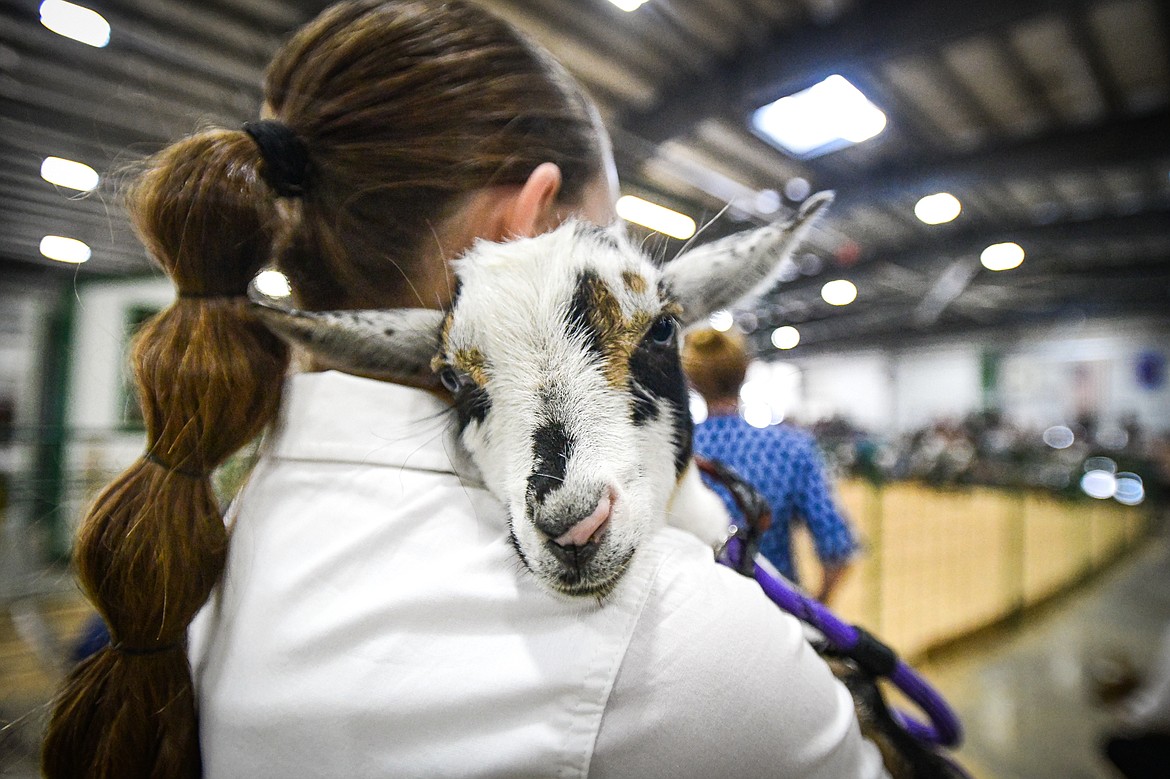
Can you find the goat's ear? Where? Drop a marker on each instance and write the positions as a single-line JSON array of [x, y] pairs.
[[719, 274], [392, 343]]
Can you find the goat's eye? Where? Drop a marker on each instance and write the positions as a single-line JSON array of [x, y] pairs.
[[450, 380], [662, 331]]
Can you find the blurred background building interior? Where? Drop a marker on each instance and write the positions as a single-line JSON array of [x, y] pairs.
[[977, 334]]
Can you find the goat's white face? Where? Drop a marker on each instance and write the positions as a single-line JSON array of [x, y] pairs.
[[562, 357], [561, 354]]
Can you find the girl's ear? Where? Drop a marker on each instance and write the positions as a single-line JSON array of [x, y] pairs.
[[506, 212], [533, 210]]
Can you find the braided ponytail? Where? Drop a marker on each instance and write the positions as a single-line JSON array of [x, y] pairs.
[[154, 544]]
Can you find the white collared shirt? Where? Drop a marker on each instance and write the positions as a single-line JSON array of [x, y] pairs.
[[374, 621]]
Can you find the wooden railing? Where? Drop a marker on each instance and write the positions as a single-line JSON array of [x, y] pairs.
[[939, 564]]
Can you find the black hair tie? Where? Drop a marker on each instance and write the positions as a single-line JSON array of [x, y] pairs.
[[150, 457], [286, 159]]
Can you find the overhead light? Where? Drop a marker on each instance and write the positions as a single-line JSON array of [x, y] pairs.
[[1002, 256], [699, 410], [1099, 484], [67, 173], [656, 217], [786, 337], [839, 292], [272, 283], [1059, 437], [1130, 491], [797, 189], [76, 22], [767, 201], [721, 321], [938, 208], [629, 5], [825, 117], [62, 249], [757, 414]]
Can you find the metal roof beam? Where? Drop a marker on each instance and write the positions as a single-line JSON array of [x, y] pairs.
[[1102, 76], [870, 32], [1118, 143]]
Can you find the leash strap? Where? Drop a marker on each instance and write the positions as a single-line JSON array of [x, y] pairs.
[[870, 653]]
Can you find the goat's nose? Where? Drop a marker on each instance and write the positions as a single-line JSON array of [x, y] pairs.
[[580, 533], [577, 545]]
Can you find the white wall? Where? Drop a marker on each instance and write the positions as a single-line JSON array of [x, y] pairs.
[[856, 385], [99, 363], [935, 383], [1090, 366], [98, 448], [1046, 375]]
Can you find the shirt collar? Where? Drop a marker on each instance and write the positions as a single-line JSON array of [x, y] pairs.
[[337, 417]]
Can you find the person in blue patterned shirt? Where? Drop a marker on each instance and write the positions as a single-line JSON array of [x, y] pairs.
[[781, 461]]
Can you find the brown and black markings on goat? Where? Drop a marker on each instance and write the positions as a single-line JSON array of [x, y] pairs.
[[639, 354]]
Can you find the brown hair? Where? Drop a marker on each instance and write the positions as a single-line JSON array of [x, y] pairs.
[[716, 363], [405, 106], [402, 107]]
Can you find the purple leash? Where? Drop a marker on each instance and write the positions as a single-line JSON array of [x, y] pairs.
[[868, 652], [944, 728]]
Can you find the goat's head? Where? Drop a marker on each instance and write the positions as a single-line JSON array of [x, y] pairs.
[[561, 355]]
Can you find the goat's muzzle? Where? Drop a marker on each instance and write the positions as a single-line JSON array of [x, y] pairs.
[[577, 545]]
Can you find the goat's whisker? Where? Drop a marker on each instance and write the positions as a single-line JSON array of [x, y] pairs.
[[706, 224]]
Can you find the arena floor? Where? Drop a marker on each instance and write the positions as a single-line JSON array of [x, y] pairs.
[[1024, 692]]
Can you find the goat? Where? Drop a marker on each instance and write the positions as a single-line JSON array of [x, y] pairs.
[[561, 355]]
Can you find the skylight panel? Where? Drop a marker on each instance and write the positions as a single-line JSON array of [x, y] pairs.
[[827, 116]]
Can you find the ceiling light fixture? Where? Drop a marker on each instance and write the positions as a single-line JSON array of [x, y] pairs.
[[937, 209], [1002, 256], [786, 337], [272, 283], [629, 5], [827, 116], [757, 414], [76, 22], [67, 173], [656, 217], [62, 249], [721, 321], [839, 292]]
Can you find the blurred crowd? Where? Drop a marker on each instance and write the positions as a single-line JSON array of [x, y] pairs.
[[987, 449]]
